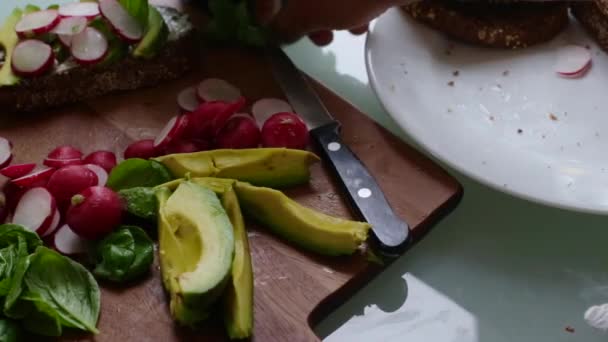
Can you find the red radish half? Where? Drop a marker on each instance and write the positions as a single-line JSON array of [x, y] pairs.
[[35, 23], [79, 9], [210, 117], [57, 163], [187, 100], [65, 152], [182, 146], [173, 131], [6, 152], [89, 47], [17, 170], [215, 89], [241, 131], [35, 210], [265, 108], [143, 149], [95, 212], [572, 59], [70, 180], [34, 177], [285, 130], [123, 23], [102, 175], [32, 58], [70, 26], [68, 243], [54, 223], [105, 159]]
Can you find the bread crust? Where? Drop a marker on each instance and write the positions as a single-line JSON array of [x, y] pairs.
[[498, 25], [592, 18]]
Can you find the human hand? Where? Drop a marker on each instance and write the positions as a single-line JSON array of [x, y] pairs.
[[317, 18]]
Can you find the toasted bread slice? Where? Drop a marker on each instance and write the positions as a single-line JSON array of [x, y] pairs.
[[591, 16], [500, 25], [70, 82]]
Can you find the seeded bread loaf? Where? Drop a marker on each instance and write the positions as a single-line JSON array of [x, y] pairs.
[[500, 25], [592, 16]]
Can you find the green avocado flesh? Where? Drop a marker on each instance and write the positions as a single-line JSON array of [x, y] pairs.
[[196, 249], [238, 298], [305, 227], [8, 40], [156, 35], [271, 167]]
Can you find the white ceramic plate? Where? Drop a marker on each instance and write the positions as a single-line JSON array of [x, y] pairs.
[[507, 120]]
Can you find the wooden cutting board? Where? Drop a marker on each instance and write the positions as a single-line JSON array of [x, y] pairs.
[[293, 289]]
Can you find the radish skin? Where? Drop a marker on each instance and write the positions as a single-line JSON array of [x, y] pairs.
[[105, 159], [173, 131], [95, 212], [34, 178], [65, 152], [58, 163], [265, 108], [17, 170], [54, 224], [143, 149], [285, 130]]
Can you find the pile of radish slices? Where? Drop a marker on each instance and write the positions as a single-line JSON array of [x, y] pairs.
[[70, 25], [43, 197], [215, 115]]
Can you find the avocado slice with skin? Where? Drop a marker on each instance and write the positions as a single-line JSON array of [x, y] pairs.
[[217, 185], [305, 227], [238, 296], [8, 40], [270, 167], [196, 250], [156, 35]]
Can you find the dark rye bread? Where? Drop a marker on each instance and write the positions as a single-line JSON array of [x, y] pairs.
[[500, 25], [70, 83], [591, 16]]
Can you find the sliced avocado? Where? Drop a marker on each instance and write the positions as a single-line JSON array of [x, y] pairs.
[[217, 185], [196, 248], [303, 226], [156, 35], [8, 40], [238, 296], [29, 8], [271, 167]]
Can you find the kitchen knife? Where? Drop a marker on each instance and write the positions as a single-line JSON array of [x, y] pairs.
[[389, 233]]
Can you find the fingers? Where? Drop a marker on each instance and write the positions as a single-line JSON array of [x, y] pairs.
[[359, 30], [321, 38]]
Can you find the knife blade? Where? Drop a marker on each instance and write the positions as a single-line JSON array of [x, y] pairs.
[[389, 233]]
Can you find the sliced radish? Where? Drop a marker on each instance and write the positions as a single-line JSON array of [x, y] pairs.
[[210, 117], [54, 223], [172, 131], [105, 159], [102, 175], [187, 100], [265, 108], [215, 89], [70, 26], [285, 130], [182, 146], [36, 23], [572, 60], [57, 163], [65, 152], [6, 152], [143, 149], [123, 23], [65, 39], [79, 9], [68, 243], [17, 170], [32, 58], [35, 210], [34, 177], [89, 47]]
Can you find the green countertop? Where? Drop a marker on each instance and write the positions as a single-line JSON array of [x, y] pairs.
[[497, 269]]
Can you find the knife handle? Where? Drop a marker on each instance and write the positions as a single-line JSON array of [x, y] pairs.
[[365, 196]]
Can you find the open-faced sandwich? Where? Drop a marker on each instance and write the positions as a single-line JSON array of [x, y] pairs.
[[80, 50], [502, 24]]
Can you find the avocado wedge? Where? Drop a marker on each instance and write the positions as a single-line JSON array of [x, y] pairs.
[[305, 227], [238, 296], [156, 35], [271, 167], [8, 40], [196, 250]]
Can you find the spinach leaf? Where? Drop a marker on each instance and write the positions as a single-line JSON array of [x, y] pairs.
[[8, 263], [9, 331], [124, 255], [15, 286], [136, 172], [141, 202], [138, 9], [67, 290], [9, 234], [40, 318]]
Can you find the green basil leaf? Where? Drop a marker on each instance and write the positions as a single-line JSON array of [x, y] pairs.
[[67, 290], [138, 9], [9, 234], [136, 172], [8, 263], [141, 202], [124, 255], [39, 318], [16, 282], [9, 331]]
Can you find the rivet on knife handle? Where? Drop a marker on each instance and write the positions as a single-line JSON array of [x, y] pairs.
[[390, 233]]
